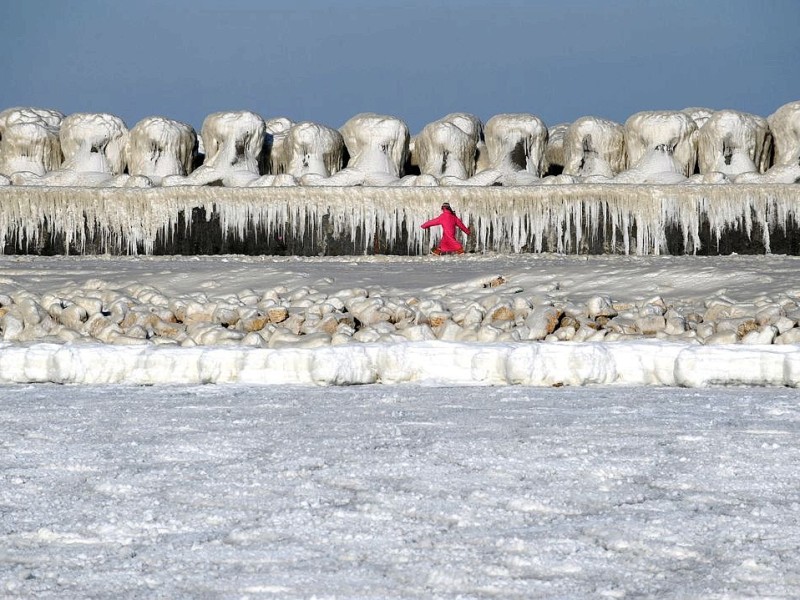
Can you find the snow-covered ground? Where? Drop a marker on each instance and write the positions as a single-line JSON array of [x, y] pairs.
[[478, 319], [449, 485], [398, 492]]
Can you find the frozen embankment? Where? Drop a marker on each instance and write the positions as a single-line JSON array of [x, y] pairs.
[[434, 363], [579, 218]]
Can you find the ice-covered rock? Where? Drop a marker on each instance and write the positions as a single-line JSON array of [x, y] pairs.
[[698, 114], [785, 126], [658, 166], [516, 142], [308, 148], [553, 163], [673, 131], [276, 129], [445, 150], [29, 140], [376, 144], [473, 127], [93, 143], [594, 146], [234, 149], [159, 147], [733, 142], [93, 146]]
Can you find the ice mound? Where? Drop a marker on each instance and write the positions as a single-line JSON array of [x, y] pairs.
[[242, 149], [29, 141], [159, 147], [732, 143], [515, 143], [594, 147], [377, 144], [308, 149], [234, 144], [673, 131]]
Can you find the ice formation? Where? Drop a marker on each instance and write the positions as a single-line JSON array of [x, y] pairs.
[[276, 129], [473, 127], [478, 330], [234, 144], [93, 143], [699, 114], [553, 163], [308, 149], [377, 144], [159, 147], [94, 150], [666, 132], [445, 150], [29, 141], [785, 126], [560, 218], [594, 147], [516, 143], [733, 143]]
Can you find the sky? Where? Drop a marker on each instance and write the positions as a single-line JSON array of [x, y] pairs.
[[417, 60]]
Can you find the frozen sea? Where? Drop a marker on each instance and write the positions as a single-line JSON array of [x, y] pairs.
[[402, 492]]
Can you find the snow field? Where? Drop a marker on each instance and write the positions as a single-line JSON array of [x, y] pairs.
[[413, 492]]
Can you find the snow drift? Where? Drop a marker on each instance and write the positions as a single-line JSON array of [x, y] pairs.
[[440, 363]]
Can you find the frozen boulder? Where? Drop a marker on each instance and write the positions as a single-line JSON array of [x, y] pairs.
[[234, 149], [29, 140], [445, 150], [553, 163], [376, 143], [473, 127], [733, 142], [93, 146], [276, 130], [785, 126], [673, 131], [594, 146], [309, 148], [159, 147], [93, 143], [516, 142], [698, 114]]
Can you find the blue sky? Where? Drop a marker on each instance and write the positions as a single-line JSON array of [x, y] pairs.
[[418, 60]]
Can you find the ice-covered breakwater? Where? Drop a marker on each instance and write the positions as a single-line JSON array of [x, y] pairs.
[[579, 218]]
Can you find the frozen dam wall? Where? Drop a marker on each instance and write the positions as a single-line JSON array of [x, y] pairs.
[[584, 218]]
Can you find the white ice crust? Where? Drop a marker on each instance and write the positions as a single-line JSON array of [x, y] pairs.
[[547, 320], [516, 143], [594, 147], [670, 133], [159, 147], [733, 142], [29, 141], [554, 152], [308, 149], [445, 150], [242, 149], [785, 126], [377, 144], [429, 362], [234, 144]]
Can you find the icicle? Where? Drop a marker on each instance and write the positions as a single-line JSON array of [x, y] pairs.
[[534, 218]]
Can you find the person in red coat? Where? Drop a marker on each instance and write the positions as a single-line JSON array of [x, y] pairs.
[[448, 221]]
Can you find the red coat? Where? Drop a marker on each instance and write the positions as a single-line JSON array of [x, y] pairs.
[[449, 222]]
